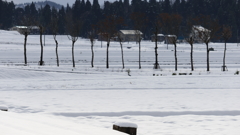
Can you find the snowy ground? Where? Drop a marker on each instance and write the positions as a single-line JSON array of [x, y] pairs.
[[84, 100]]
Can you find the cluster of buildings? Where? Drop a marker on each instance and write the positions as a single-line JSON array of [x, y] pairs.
[[134, 35], [125, 35]]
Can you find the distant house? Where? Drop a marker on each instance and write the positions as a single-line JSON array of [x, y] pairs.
[[160, 38], [22, 29], [196, 30], [34, 30], [170, 38], [129, 35]]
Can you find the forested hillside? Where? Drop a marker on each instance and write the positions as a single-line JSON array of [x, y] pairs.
[[227, 12]]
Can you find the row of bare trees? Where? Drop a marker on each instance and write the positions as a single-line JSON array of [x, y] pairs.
[[211, 30], [169, 24]]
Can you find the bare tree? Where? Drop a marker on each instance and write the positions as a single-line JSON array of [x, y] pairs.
[[91, 36], [171, 25], [139, 20], [157, 25], [190, 38], [109, 25], [208, 32], [73, 29], [54, 29], [41, 30], [120, 41], [27, 23], [226, 35]]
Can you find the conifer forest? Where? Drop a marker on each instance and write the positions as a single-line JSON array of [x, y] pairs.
[[90, 14]]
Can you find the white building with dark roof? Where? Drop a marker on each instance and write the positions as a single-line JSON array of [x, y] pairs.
[[130, 35], [22, 29]]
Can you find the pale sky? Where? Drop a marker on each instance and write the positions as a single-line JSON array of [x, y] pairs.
[[62, 2]]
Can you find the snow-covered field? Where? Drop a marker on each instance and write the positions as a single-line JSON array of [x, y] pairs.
[[47, 100]]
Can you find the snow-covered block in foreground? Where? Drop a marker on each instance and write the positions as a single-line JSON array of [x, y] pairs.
[[126, 127], [3, 108]]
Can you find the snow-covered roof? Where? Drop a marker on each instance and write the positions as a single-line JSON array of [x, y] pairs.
[[126, 124], [25, 27], [171, 36], [200, 28], [130, 32], [34, 27], [159, 35], [21, 27]]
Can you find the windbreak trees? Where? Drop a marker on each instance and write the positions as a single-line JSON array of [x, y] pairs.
[[73, 31], [40, 24], [91, 36], [43, 22], [54, 29], [171, 25], [139, 20], [206, 32], [27, 23], [120, 40], [190, 35], [156, 29], [226, 35], [108, 29]]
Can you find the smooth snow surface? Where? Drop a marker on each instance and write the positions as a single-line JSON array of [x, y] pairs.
[[34, 124], [47, 100]]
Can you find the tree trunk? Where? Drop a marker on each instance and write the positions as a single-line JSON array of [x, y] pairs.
[[208, 67], [107, 62], [25, 49], [175, 54], [92, 54], [156, 65], [139, 54], [122, 55], [73, 53], [191, 55], [57, 52], [41, 57], [224, 56]]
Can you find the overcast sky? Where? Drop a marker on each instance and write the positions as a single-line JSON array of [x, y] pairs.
[[62, 2]]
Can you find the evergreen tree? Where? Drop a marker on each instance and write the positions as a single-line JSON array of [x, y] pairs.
[[82, 7], [95, 6], [27, 10], [176, 7], [166, 6], [1, 12], [61, 21], [46, 17], [76, 10], [68, 9], [33, 11], [88, 6]]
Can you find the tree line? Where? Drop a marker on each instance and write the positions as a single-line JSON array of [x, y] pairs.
[[227, 12]]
